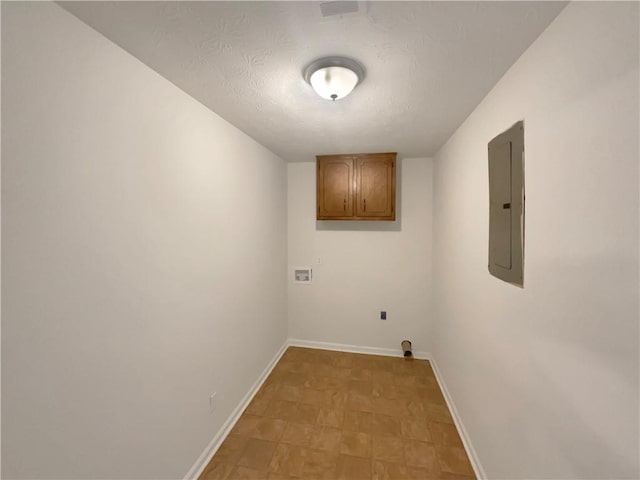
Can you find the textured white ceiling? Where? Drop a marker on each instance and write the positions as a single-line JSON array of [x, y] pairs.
[[428, 64]]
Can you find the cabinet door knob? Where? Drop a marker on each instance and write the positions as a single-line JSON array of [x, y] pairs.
[[344, 205], [365, 204]]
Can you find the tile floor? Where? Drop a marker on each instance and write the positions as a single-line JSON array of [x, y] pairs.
[[336, 415]]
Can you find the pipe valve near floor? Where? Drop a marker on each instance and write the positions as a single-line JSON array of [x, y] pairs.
[[406, 350]]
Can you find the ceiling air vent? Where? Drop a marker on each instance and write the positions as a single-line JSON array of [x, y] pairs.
[[330, 9]]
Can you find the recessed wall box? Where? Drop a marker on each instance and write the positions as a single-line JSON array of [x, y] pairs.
[[506, 205], [302, 275]]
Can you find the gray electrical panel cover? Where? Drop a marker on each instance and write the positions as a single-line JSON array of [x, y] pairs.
[[506, 205]]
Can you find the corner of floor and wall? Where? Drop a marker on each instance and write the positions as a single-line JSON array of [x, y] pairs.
[[147, 248]]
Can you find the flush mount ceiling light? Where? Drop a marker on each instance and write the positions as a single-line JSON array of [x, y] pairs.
[[334, 77]]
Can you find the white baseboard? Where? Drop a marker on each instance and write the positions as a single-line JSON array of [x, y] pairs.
[[471, 452], [388, 352], [203, 460]]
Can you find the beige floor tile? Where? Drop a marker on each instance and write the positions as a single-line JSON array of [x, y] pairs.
[[338, 372], [432, 396], [362, 374], [336, 399], [257, 454], [413, 365], [389, 449], [297, 434], [231, 449], [362, 361], [406, 381], [287, 460], [454, 460], [353, 468], [342, 360], [319, 464], [383, 362], [282, 410], [361, 403], [304, 413], [326, 438], [269, 389], [439, 413], [385, 425], [362, 387], [260, 427], [418, 473], [416, 407], [445, 434], [330, 417], [258, 405], [358, 421], [216, 471], [386, 406], [388, 471], [244, 473], [319, 370], [292, 354], [415, 428], [319, 356], [327, 383], [268, 429], [311, 396], [387, 390], [245, 425], [454, 476], [295, 379], [383, 377], [356, 444], [294, 367], [289, 393], [429, 368], [421, 454], [427, 381], [278, 476]]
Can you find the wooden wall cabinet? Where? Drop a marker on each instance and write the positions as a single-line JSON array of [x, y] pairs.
[[356, 186]]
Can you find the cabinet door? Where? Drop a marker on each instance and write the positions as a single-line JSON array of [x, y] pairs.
[[335, 187], [376, 186]]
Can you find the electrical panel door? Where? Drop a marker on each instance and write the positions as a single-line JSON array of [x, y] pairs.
[[506, 205]]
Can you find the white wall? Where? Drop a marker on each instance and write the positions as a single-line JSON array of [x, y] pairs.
[[365, 267], [143, 239], [546, 378]]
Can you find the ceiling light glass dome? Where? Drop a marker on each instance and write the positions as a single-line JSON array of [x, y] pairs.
[[334, 78]]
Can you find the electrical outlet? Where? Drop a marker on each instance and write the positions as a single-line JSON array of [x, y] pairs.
[[212, 402], [383, 315]]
